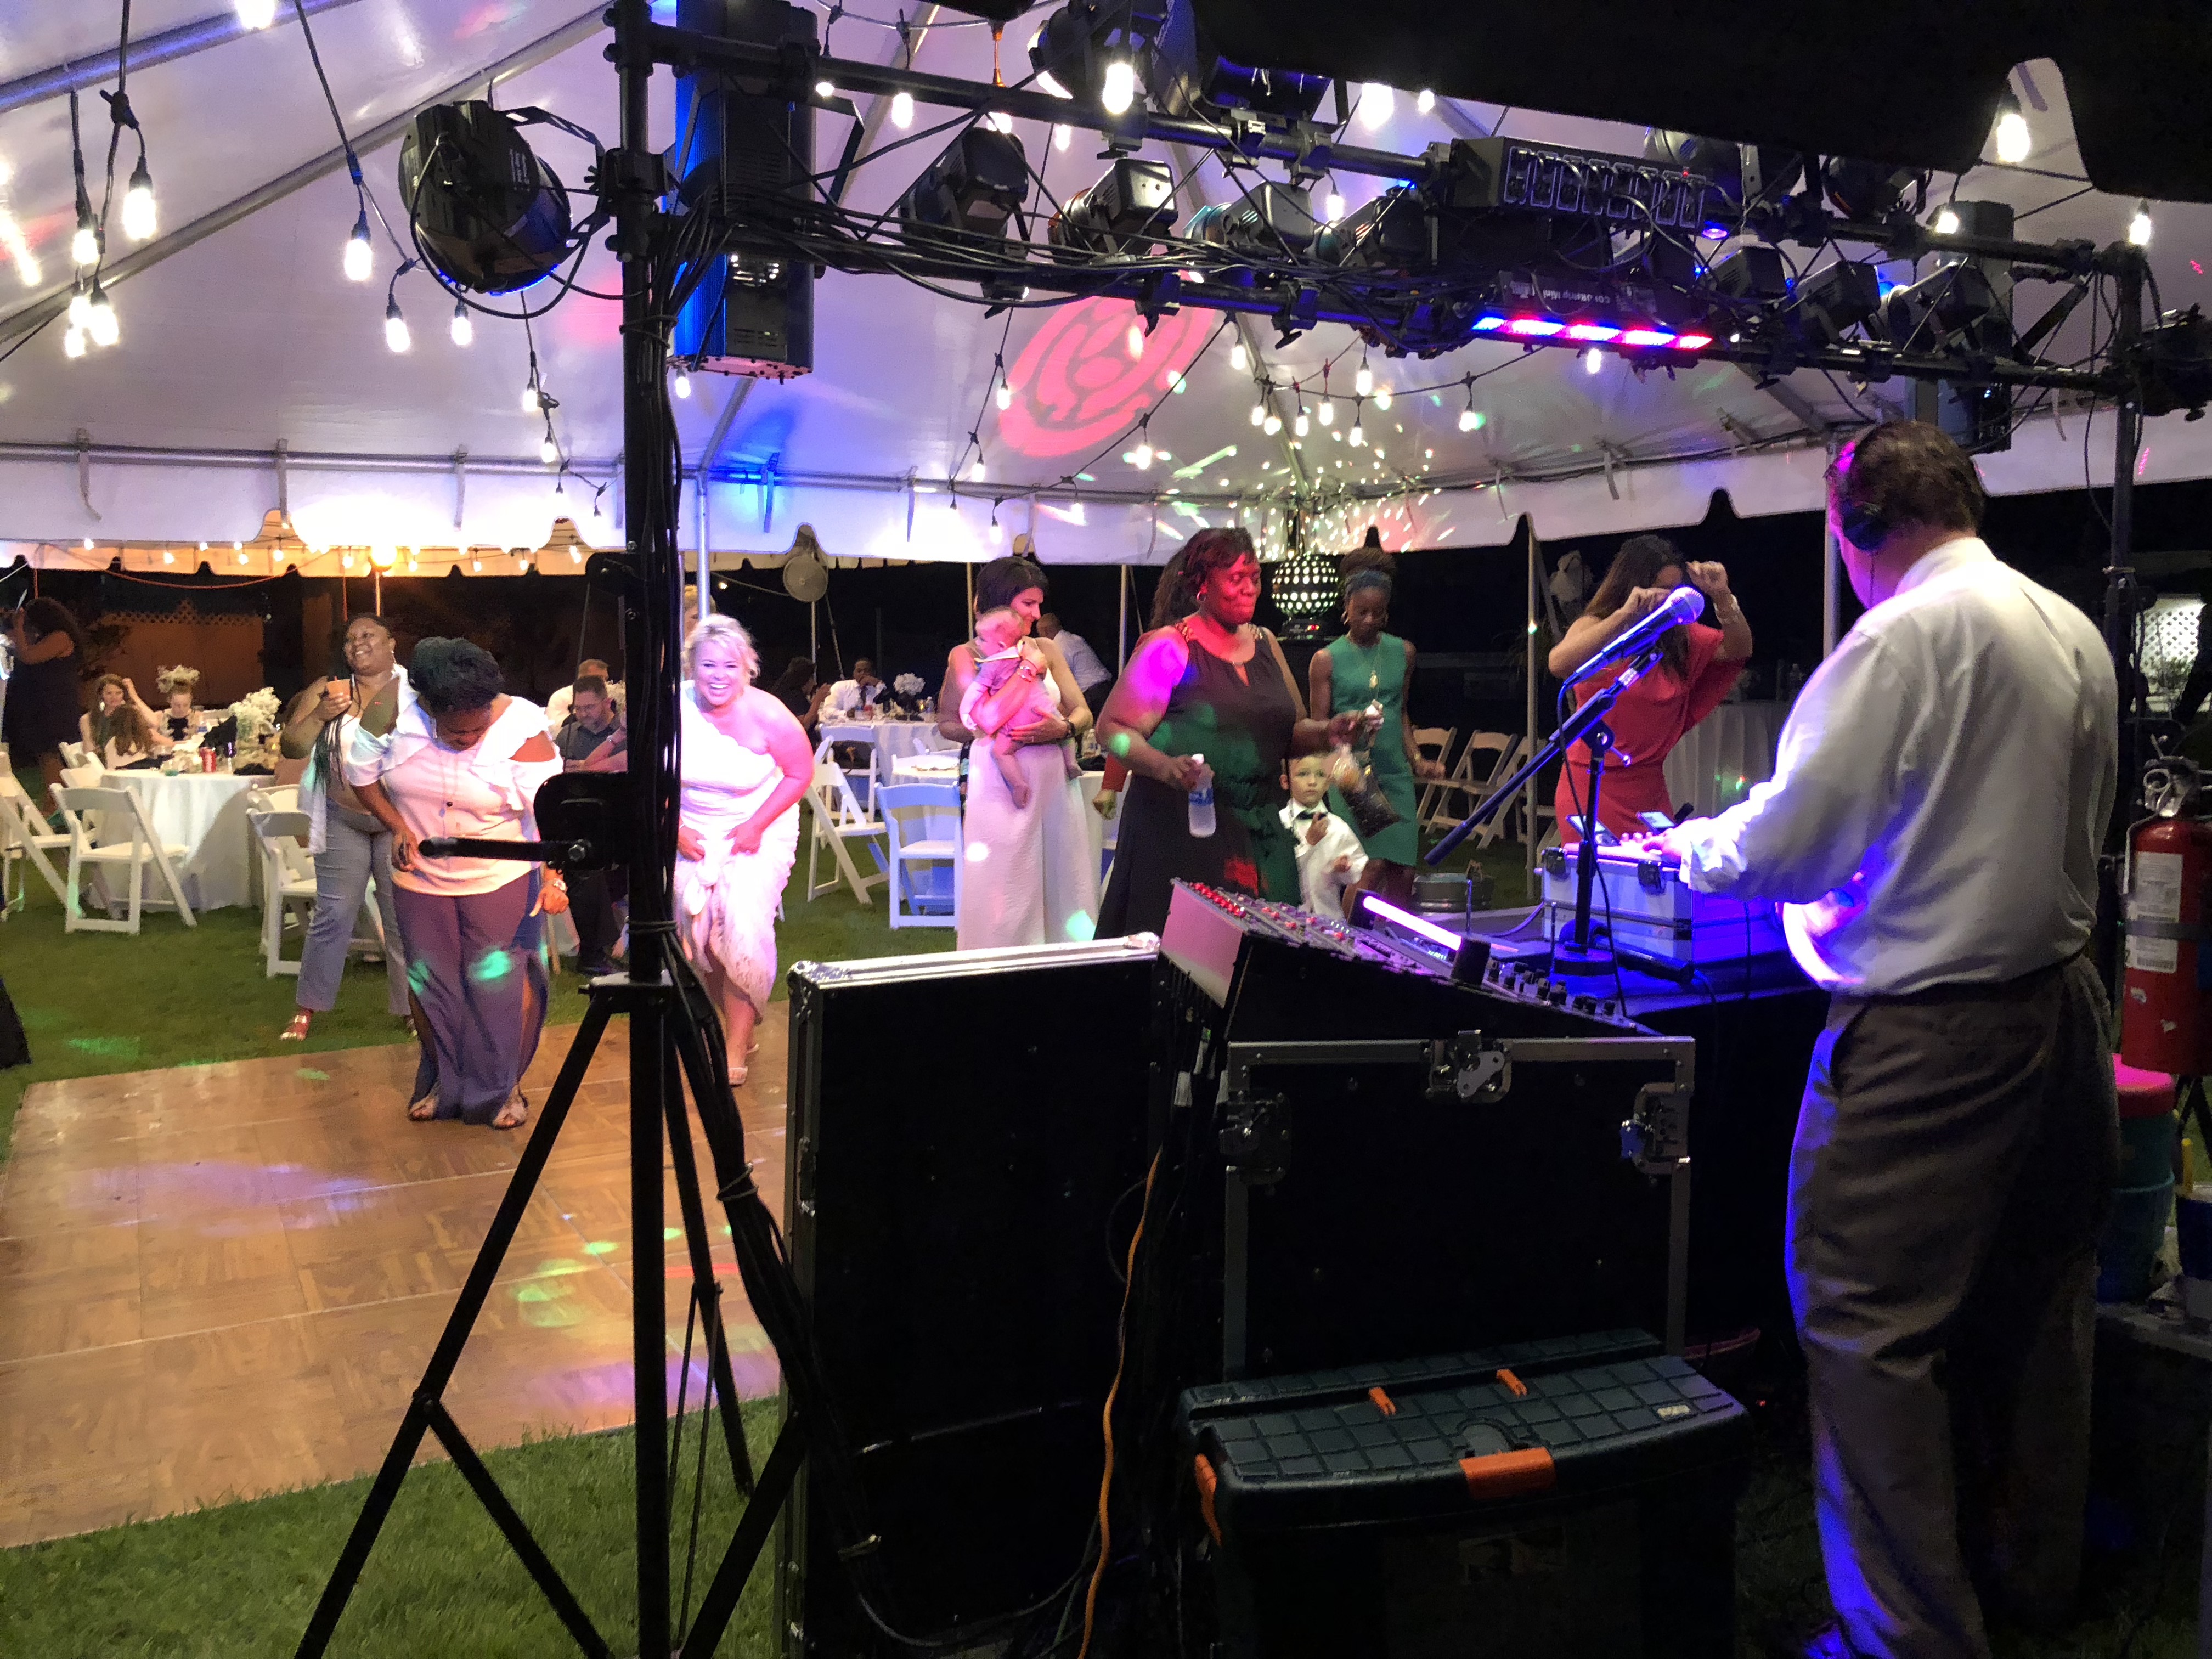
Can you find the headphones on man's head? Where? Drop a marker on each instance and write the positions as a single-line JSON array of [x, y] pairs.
[[1865, 525]]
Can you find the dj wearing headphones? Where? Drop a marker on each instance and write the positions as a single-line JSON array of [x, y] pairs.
[[1939, 801]]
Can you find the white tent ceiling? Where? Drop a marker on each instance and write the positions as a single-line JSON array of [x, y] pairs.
[[238, 332]]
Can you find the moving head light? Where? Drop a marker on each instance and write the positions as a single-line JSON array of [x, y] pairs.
[[981, 181], [1123, 213], [1268, 222], [486, 212], [1187, 77]]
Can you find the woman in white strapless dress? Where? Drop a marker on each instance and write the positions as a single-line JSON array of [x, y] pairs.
[[746, 763]]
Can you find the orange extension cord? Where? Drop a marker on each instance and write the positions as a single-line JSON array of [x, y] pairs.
[[1121, 1359]]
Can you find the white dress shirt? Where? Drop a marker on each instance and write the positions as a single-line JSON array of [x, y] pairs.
[[1321, 886], [1941, 790], [484, 793], [1082, 661]]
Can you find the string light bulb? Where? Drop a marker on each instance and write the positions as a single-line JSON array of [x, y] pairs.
[[465, 326], [80, 308], [395, 325], [1426, 101], [360, 253], [1333, 205], [681, 384], [1363, 383], [1136, 341], [1470, 418], [1383, 395], [73, 343], [1259, 414], [1141, 457], [1119, 89], [903, 110], [84, 246], [530, 405], [99, 319], [547, 451], [1273, 424], [2139, 226], [2011, 137], [976, 473], [1303, 424], [1062, 135], [1358, 435], [1593, 361], [257, 14], [1239, 358], [1003, 396], [1375, 103], [139, 213], [1325, 412]]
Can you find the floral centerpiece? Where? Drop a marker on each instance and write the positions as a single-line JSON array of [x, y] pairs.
[[256, 716], [904, 696]]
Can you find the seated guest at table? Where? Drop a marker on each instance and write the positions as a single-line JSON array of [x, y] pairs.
[[745, 764], [558, 706], [1213, 685], [465, 760], [179, 685], [796, 691], [1330, 857], [593, 740], [329, 719], [1092, 678], [1694, 676], [43, 707], [847, 697], [1365, 667], [120, 728], [1032, 877]]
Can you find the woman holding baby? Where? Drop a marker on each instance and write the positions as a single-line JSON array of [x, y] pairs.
[[1030, 876]]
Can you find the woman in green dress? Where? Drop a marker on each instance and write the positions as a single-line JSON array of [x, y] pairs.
[[1366, 665]]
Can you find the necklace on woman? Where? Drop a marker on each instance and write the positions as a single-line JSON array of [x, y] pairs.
[[1367, 661]]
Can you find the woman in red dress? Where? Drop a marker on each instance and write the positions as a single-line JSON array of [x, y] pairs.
[[1688, 683]]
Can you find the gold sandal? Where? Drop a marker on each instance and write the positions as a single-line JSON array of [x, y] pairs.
[[297, 1030]]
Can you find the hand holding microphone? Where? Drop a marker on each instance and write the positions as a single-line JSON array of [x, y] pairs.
[[1656, 611]]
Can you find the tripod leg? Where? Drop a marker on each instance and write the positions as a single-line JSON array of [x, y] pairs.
[[710, 1289], [768, 1501], [650, 1077], [475, 1291]]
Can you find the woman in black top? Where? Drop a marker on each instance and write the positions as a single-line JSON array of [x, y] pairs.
[[43, 701], [1211, 685]]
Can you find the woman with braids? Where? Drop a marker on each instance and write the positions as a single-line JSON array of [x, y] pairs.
[[349, 847], [1365, 667], [1699, 666], [1216, 686], [465, 760]]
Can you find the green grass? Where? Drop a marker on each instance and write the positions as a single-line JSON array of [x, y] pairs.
[[98, 1003], [239, 1582]]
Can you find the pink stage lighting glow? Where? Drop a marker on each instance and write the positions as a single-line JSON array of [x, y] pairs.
[[1648, 336], [1537, 326], [1692, 342], [1591, 332], [1406, 919]]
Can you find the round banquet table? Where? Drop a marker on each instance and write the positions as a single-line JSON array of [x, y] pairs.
[[1723, 755], [203, 813], [945, 768], [893, 740]]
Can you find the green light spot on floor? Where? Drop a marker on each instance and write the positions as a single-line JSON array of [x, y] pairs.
[[554, 1266], [667, 1233], [107, 1047], [312, 1075], [601, 1247], [547, 1306], [492, 966]]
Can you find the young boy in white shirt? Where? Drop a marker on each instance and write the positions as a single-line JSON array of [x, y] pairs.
[[1330, 857]]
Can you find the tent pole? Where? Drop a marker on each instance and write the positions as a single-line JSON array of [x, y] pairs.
[[1530, 798], [1122, 626], [706, 560], [1832, 596], [814, 632]]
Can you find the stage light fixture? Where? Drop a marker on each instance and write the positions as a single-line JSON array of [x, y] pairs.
[[1087, 50], [487, 213], [100, 318], [395, 326], [1946, 221], [1747, 175], [2139, 228], [981, 181], [825, 90], [1269, 220], [360, 253], [1119, 89], [1954, 303], [1123, 213], [257, 14], [464, 325], [2010, 135], [139, 213], [1186, 76], [1833, 300], [1871, 190], [1753, 271]]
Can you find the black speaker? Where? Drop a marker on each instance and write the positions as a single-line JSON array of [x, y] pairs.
[[966, 1148]]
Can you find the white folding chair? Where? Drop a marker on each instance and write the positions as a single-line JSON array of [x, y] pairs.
[[1433, 743], [288, 883], [24, 839], [274, 798], [129, 844], [76, 756], [837, 821], [915, 817], [1487, 759]]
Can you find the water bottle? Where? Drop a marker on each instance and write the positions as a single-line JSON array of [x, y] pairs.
[[1201, 800]]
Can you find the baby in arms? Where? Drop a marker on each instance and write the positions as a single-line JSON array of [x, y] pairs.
[[1009, 692]]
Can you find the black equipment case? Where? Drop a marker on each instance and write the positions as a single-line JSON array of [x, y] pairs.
[[1566, 1499], [962, 1129]]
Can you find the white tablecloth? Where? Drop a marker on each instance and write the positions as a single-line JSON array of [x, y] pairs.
[[893, 739], [1731, 749], [204, 813], [945, 768]]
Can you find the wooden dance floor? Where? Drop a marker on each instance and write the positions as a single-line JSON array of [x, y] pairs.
[[220, 1281]]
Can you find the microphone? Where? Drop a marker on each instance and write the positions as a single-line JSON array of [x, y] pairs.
[[1684, 604]]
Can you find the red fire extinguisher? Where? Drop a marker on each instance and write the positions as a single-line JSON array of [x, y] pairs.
[[2163, 1027]]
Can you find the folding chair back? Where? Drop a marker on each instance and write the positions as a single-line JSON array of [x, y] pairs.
[[288, 883], [922, 823], [109, 831], [836, 820]]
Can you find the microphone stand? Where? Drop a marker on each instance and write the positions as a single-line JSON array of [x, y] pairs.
[[1586, 725]]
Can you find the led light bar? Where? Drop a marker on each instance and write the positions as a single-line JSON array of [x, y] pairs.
[[1537, 325], [1648, 337], [1591, 332]]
